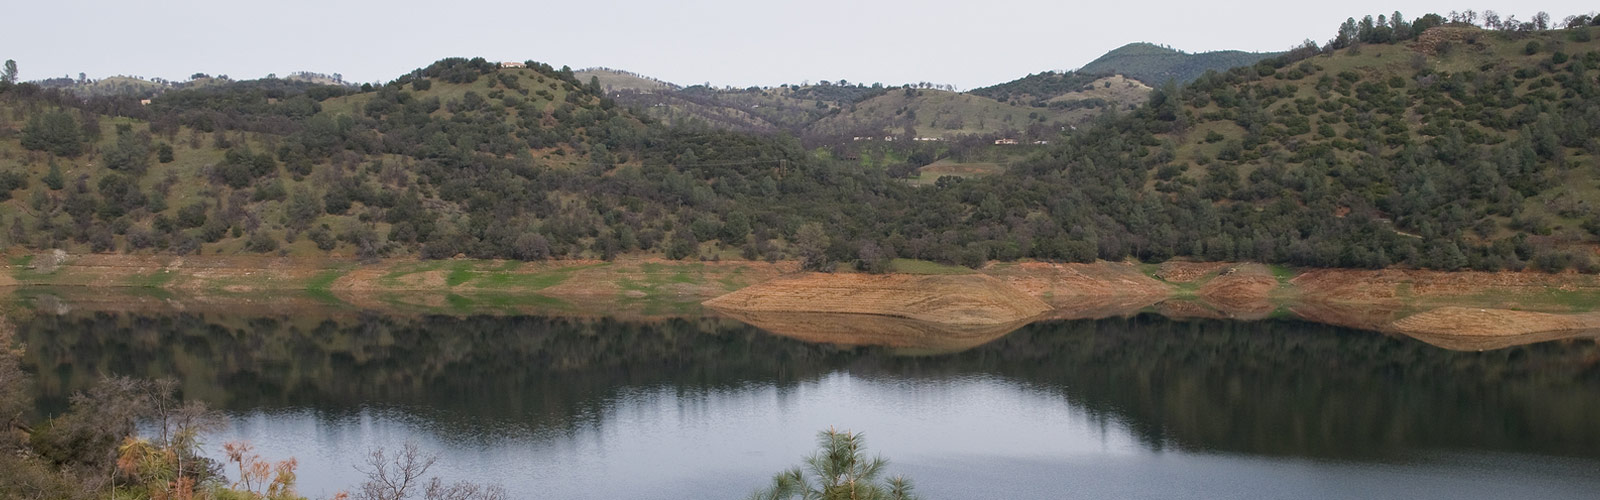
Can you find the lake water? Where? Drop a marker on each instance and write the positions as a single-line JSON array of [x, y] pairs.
[[1138, 407]]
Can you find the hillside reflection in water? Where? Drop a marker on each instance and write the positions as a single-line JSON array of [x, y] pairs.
[[710, 407]]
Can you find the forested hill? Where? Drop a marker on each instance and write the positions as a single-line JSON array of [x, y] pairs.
[[1155, 65], [1150, 64], [1394, 144], [1427, 143]]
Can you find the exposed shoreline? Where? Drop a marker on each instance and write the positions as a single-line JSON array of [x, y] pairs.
[[1463, 309]]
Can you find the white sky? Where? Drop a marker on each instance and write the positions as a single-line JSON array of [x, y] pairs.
[[724, 42]]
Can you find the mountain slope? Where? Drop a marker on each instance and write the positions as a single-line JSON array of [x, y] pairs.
[[1473, 156], [936, 113], [1155, 65], [1456, 148], [613, 80]]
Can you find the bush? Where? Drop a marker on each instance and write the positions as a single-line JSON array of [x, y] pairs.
[[323, 238], [131, 153], [261, 242], [192, 216]]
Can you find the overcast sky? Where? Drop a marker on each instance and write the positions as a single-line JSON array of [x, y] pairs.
[[724, 42]]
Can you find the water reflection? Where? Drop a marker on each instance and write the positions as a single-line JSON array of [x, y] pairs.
[[708, 407]]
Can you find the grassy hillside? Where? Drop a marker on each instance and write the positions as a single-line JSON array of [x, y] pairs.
[[274, 166], [1155, 65], [461, 157], [934, 113], [1036, 88], [1470, 152], [1447, 148], [756, 109], [612, 80]]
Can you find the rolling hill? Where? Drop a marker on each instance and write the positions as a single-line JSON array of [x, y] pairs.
[[613, 80], [1155, 65], [1421, 144]]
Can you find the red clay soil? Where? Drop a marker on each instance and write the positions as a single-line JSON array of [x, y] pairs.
[[1471, 321], [1188, 309], [1364, 316], [1386, 285], [1242, 291], [1179, 271], [964, 299], [872, 330], [1066, 284]]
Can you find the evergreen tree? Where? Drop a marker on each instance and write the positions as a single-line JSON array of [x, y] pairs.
[[840, 470], [56, 132]]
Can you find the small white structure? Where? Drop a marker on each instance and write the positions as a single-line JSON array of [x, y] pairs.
[[512, 64], [1005, 141]]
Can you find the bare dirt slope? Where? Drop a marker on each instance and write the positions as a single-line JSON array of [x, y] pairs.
[[1242, 290], [922, 337], [1064, 284], [967, 299], [1388, 285], [1470, 321]]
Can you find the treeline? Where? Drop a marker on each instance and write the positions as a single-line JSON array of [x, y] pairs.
[[1037, 88]]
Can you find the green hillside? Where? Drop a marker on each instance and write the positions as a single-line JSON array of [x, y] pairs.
[[1038, 87], [1462, 148], [461, 157], [1155, 65], [1399, 143]]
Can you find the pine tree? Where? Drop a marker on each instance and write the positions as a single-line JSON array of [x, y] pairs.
[[839, 470]]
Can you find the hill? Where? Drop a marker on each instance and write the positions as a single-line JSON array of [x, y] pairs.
[[111, 86], [1399, 143], [1038, 87], [1155, 65], [1365, 155], [460, 157], [910, 113], [614, 80]]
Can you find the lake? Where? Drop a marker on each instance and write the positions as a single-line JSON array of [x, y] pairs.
[[707, 407]]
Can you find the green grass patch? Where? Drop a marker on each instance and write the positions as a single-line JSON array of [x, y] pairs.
[[504, 277], [510, 301], [460, 273], [158, 279], [402, 270], [458, 302], [1282, 273], [324, 280], [1573, 300]]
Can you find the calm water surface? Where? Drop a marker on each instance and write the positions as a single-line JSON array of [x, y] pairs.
[[1141, 407]]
